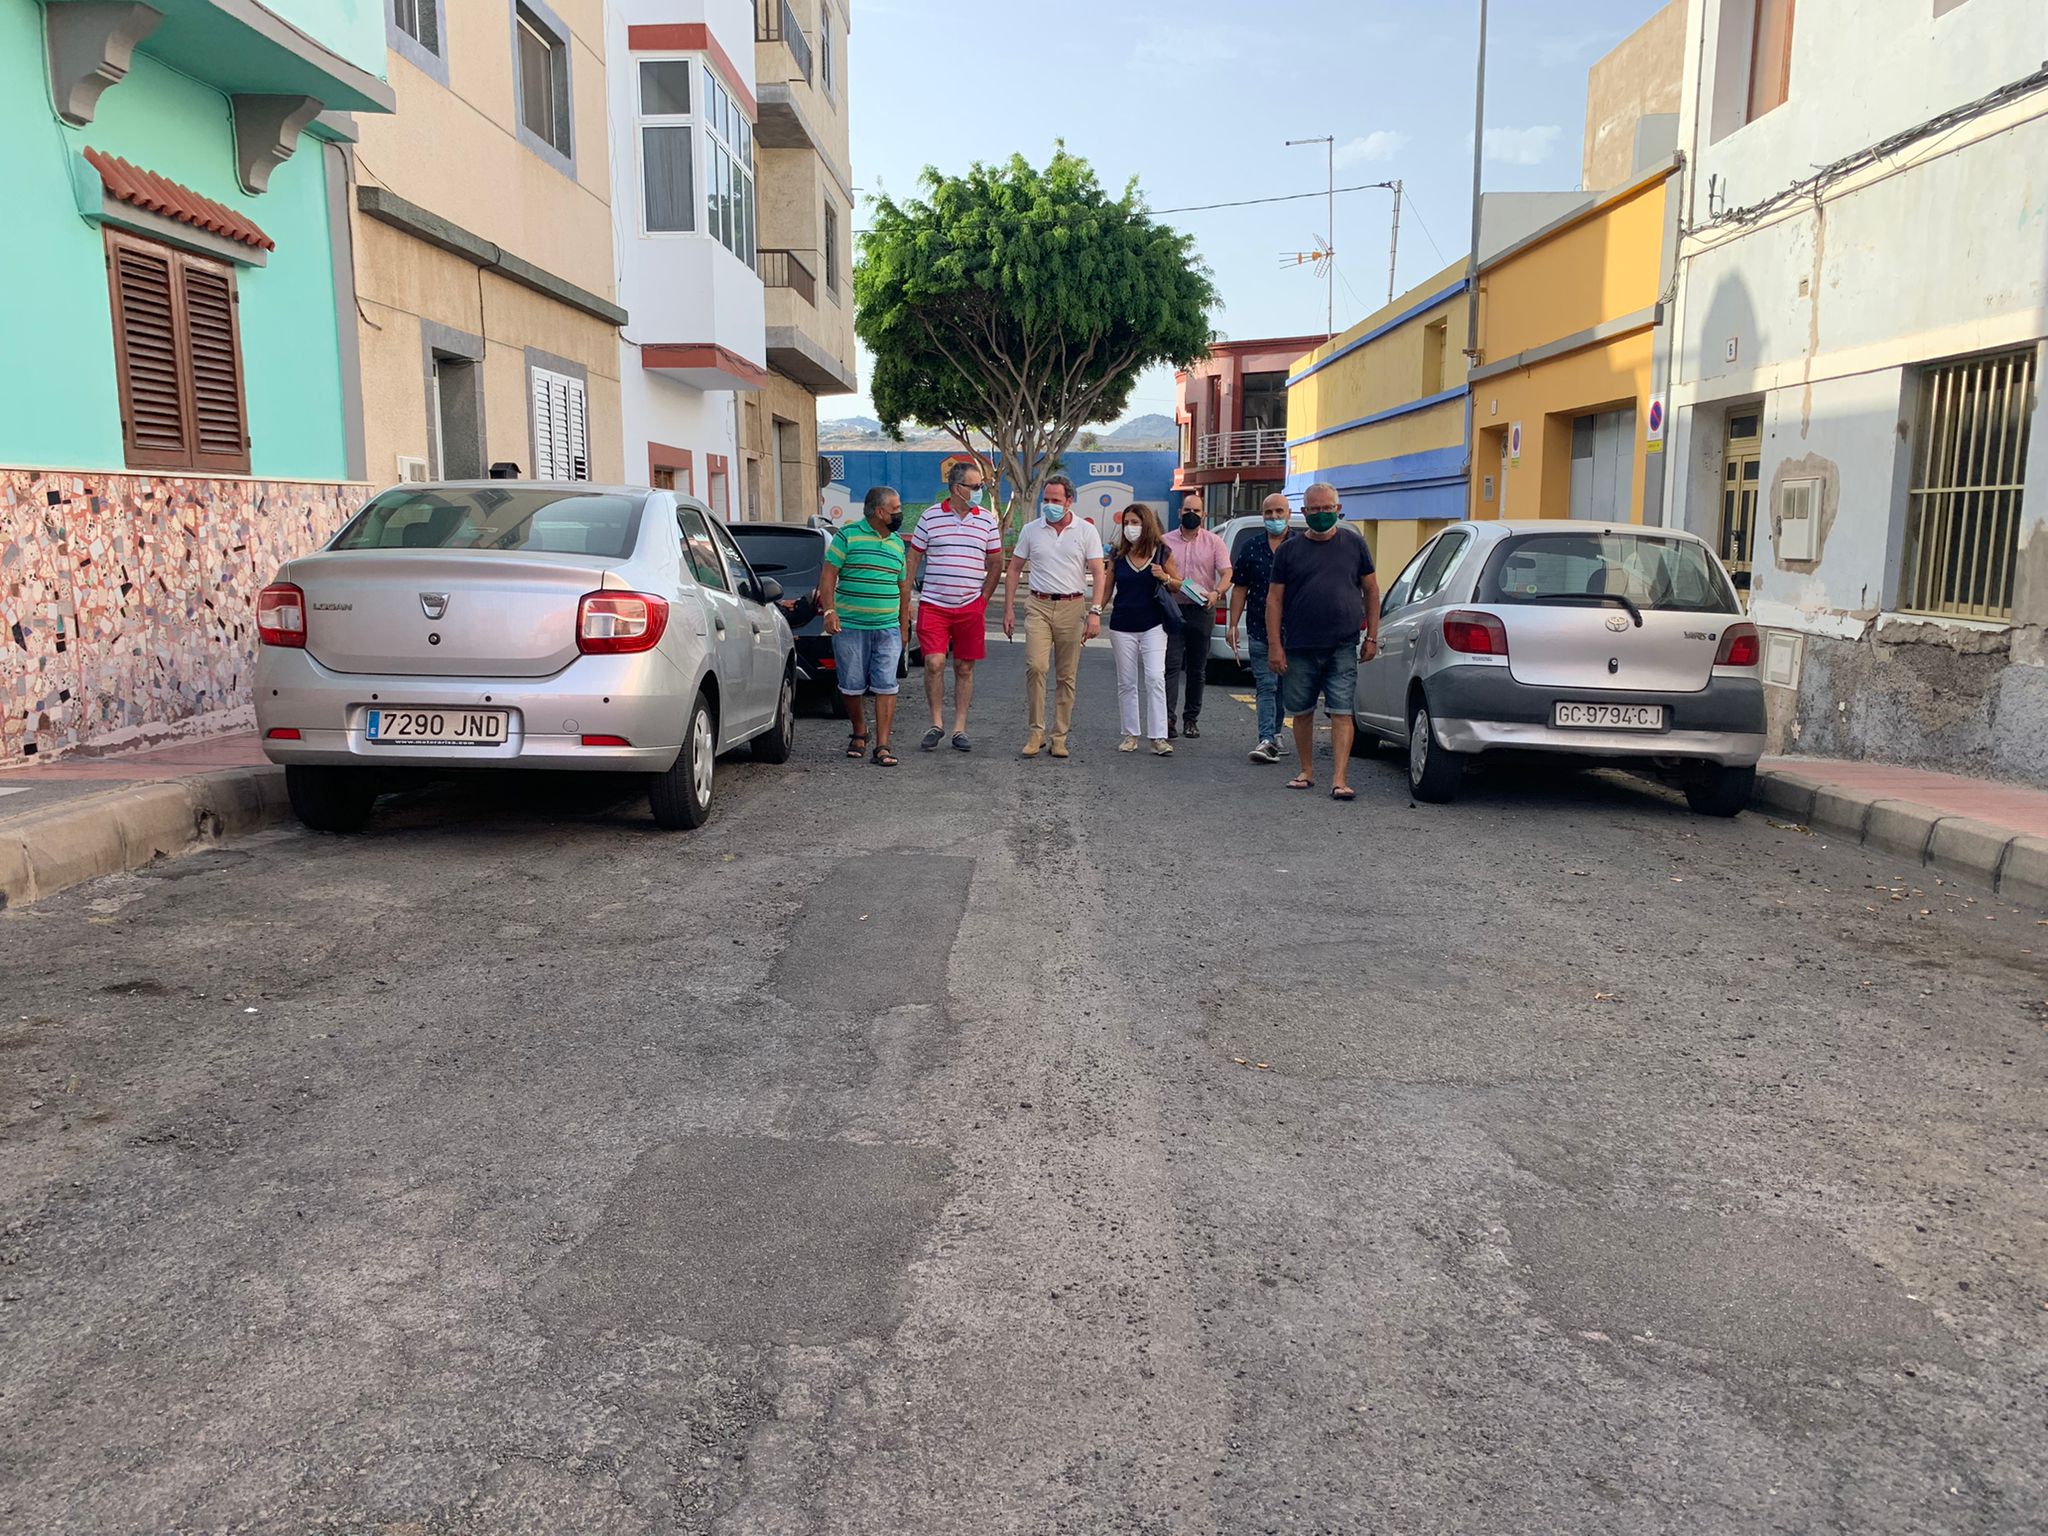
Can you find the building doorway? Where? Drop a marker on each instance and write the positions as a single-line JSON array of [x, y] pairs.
[[1603, 466], [1741, 477]]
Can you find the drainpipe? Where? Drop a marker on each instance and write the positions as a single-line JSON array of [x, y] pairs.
[[1472, 358]]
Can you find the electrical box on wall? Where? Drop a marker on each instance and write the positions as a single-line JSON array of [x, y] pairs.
[[411, 468], [1732, 349], [1799, 520], [1486, 487], [1784, 654]]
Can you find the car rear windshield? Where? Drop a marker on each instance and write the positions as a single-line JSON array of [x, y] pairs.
[[1649, 570], [793, 556], [543, 522]]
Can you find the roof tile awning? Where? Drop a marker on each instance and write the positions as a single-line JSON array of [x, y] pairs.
[[156, 194]]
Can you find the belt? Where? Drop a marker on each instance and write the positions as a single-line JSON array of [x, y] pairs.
[[1061, 597]]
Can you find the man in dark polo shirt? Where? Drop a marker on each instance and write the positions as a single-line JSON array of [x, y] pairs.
[[1322, 594]]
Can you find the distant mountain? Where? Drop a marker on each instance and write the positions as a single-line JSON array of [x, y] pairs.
[[1153, 431]]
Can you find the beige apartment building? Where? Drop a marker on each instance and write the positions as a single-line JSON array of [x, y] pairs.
[[804, 177], [483, 246]]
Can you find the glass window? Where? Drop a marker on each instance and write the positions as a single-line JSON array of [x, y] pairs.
[[831, 246], [1651, 571], [664, 87], [551, 522], [705, 561], [543, 81], [1403, 589], [1443, 558], [419, 20], [729, 167], [735, 562]]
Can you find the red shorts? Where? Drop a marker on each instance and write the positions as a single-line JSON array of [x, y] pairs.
[[963, 631]]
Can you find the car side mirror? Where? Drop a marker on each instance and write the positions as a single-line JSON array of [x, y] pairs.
[[767, 589]]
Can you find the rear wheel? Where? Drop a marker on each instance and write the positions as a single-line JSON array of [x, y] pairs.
[[681, 797], [775, 745], [1717, 790], [1434, 773], [330, 799]]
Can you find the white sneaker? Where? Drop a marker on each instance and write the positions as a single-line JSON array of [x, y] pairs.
[[1162, 749], [1128, 744], [1267, 751]]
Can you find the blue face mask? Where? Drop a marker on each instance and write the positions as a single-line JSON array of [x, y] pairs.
[[1276, 525], [974, 497], [1051, 511]]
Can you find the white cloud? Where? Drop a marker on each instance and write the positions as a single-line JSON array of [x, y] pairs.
[[1522, 146], [1375, 148]]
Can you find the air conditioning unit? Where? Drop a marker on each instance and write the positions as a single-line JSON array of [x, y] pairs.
[[1799, 520], [411, 468]]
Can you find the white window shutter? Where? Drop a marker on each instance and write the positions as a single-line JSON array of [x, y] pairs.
[[576, 424]]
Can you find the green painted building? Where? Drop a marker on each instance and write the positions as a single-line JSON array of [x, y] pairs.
[[180, 401]]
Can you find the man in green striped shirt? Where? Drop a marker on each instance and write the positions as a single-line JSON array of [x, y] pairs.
[[865, 598]]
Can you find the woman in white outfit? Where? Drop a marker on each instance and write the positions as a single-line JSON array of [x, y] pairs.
[[1140, 572]]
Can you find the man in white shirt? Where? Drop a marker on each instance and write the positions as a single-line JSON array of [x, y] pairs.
[[1061, 556], [956, 558]]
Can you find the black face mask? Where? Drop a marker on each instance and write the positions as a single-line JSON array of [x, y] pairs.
[[1191, 520], [895, 521]]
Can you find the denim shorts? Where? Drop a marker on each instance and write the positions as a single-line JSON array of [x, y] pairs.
[[1330, 674], [866, 659]]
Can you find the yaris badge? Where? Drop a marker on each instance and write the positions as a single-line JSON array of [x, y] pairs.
[[434, 604]]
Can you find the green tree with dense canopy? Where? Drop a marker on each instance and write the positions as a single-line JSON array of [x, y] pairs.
[[1014, 305]]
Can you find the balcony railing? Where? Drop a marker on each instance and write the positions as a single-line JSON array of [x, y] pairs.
[[1241, 450], [785, 269], [775, 22]]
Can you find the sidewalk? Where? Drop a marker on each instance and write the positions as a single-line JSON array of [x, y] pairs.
[[1980, 829], [78, 818]]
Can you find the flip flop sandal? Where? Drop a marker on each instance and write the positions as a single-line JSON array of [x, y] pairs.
[[856, 746], [961, 743], [932, 738], [1301, 783], [883, 757], [1344, 792]]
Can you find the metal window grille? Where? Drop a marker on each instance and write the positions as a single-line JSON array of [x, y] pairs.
[[1969, 472]]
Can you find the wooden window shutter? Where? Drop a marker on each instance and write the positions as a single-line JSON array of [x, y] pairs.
[[143, 278], [220, 428], [177, 358]]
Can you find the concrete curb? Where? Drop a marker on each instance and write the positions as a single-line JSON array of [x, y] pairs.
[[45, 852], [2013, 866]]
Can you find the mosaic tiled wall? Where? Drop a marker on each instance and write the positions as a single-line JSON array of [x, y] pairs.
[[125, 600]]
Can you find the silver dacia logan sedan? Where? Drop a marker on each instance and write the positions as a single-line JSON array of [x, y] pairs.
[[504, 624]]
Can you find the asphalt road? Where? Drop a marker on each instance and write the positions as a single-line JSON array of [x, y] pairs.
[[1111, 1145]]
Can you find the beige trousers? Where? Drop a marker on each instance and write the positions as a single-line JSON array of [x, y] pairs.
[[1053, 633]]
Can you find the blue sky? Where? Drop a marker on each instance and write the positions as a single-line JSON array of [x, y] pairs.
[[1196, 98]]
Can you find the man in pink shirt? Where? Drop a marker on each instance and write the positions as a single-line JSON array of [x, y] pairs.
[[1203, 561], [956, 555]]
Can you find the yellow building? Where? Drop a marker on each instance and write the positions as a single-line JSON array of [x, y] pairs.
[[483, 246], [1572, 351], [1379, 412]]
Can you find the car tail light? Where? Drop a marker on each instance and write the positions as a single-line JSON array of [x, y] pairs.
[[283, 733], [619, 623], [1475, 633], [1740, 647], [281, 615], [606, 741], [828, 663]]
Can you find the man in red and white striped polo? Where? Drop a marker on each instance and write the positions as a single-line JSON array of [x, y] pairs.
[[956, 553]]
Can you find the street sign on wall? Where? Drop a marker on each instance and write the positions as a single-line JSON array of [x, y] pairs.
[[1515, 445], [1653, 440]]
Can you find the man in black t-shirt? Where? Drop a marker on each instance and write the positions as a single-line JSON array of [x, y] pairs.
[[1323, 593]]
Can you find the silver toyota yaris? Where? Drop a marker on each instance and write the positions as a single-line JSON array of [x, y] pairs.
[[505, 624], [1593, 640]]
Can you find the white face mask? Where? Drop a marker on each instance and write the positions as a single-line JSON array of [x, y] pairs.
[[1132, 533]]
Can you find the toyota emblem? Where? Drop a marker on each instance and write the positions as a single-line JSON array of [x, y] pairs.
[[1618, 622]]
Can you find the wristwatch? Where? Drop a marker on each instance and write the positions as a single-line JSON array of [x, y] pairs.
[[1095, 610]]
